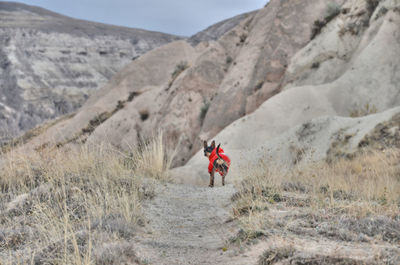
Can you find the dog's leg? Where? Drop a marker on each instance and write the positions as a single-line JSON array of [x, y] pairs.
[[224, 172], [212, 178]]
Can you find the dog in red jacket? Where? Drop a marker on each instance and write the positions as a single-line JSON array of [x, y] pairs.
[[219, 162]]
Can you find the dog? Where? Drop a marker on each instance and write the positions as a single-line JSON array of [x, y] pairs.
[[219, 162]]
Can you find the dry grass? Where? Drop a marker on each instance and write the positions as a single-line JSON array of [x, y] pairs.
[[11, 142], [59, 206], [360, 111], [153, 158], [365, 186]]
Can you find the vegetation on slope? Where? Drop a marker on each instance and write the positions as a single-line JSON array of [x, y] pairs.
[[79, 206], [351, 200]]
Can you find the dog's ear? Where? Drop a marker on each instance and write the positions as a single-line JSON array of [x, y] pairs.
[[205, 144], [213, 144]]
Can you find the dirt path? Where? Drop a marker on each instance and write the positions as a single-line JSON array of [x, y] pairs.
[[188, 225]]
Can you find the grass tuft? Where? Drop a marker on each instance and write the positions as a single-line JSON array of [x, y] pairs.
[[179, 68], [360, 111], [153, 158]]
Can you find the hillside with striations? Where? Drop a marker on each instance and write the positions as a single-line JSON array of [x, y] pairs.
[[50, 64]]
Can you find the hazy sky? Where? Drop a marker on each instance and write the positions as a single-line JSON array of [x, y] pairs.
[[181, 17]]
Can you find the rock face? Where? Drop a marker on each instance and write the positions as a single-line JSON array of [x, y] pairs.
[[50, 64], [268, 40], [341, 94], [267, 69], [360, 76]]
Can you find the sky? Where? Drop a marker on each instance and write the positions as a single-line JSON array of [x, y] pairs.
[[180, 17]]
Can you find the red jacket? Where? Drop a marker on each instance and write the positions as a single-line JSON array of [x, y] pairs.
[[214, 156]]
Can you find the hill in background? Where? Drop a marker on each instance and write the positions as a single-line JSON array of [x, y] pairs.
[[50, 63]]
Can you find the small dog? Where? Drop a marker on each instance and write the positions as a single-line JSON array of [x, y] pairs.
[[218, 161]]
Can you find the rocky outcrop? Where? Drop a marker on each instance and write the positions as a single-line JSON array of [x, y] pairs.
[[50, 64]]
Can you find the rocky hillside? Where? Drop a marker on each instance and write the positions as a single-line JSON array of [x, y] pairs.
[[193, 92], [328, 59], [341, 93], [50, 64]]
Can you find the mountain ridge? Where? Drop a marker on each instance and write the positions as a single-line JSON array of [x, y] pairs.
[[7, 6]]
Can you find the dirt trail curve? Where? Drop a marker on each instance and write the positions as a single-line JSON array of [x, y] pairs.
[[188, 225]]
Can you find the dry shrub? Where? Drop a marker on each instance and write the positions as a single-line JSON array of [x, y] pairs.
[[179, 68], [366, 185], [274, 255], [331, 11], [58, 205], [259, 189]]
